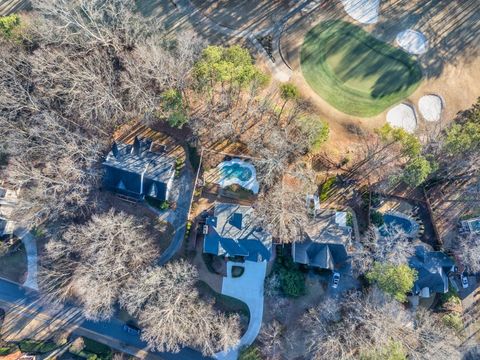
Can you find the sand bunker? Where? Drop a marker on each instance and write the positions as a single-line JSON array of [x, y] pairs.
[[402, 116], [412, 41], [364, 11], [431, 107]]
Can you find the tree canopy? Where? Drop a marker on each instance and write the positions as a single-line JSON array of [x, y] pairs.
[[396, 280], [232, 65]]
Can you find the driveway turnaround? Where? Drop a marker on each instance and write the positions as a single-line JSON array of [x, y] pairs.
[[249, 289]]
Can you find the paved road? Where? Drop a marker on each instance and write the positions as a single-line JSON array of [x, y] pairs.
[[26, 302]]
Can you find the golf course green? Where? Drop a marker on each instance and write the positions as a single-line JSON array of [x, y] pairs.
[[354, 72]]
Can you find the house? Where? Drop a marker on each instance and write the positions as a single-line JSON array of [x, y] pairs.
[[137, 171], [232, 232], [324, 242], [433, 268]]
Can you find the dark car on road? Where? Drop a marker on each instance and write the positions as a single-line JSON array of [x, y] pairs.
[[131, 329]]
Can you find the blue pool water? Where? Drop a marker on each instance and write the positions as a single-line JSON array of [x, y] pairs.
[[393, 222], [237, 171]]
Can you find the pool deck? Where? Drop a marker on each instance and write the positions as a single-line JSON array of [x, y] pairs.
[[217, 176]]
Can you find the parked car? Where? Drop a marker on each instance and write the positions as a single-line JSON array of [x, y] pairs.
[[336, 280], [131, 329], [464, 279]]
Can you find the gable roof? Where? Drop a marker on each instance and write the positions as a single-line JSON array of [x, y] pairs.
[[232, 232], [324, 242], [136, 171], [432, 268]]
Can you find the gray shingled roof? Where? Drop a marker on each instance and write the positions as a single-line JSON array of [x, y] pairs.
[[324, 243], [232, 231], [136, 171], [432, 268]]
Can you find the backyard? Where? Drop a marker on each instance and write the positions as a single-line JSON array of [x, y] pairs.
[[354, 72]]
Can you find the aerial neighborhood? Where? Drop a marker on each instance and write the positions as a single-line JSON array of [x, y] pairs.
[[251, 180]]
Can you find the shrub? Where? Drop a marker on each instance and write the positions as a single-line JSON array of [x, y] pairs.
[[393, 351], [292, 280], [349, 219], [91, 350], [377, 218], [396, 280], [250, 353], [8, 24], [160, 205], [326, 187], [453, 321], [36, 347], [416, 171], [450, 301], [237, 271], [8, 349]]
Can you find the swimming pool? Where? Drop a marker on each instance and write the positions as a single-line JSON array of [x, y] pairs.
[[238, 171], [396, 223]]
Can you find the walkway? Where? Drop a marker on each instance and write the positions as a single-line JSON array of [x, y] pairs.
[[30, 244], [249, 289]]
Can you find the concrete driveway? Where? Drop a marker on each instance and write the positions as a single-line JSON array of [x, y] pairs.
[[181, 194], [30, 244], [249, 289]]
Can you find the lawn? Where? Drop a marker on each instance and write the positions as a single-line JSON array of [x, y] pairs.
[[13, 266], [354, 72]]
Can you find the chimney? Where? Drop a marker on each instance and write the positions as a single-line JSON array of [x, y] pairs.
[[136, 146], [115, 150]]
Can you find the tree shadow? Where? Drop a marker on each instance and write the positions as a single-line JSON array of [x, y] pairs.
[[451, 27]]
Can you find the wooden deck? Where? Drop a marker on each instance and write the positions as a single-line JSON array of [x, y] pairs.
[[8, 7], [127, 133]]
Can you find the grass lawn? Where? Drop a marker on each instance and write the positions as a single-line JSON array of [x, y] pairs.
[[37, 347], [224, 303], [13, 266], [354, 72]]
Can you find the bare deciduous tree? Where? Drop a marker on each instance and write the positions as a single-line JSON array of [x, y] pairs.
[[468, 250], [111, 24], [94, 261], [271, 337], [283, 208], [395, 248], [370, 321], [172, 314]]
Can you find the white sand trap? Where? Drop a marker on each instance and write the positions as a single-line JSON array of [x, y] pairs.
[[431, 107], [402, 116], [412, 41], [364, 11]]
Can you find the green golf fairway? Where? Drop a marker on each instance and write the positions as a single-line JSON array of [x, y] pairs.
[[354, 72]]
